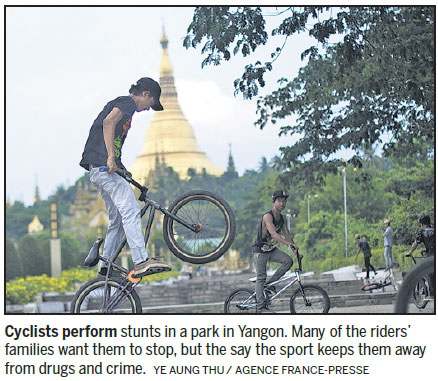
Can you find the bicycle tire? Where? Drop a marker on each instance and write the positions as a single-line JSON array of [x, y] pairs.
[[417, 273], [240, 301], [315, 295], [419, 293], [92, 292], [217, 233], [371, 286]]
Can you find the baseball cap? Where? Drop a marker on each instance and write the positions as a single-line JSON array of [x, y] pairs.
[[149, 84], [279, 193]]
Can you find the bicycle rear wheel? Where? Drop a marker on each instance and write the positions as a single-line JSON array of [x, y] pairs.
[[212, 215], [241, 301], [311, 299], [90, 298]]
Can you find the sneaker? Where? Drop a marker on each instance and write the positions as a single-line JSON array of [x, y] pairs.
[[150, 266], [265, 310]]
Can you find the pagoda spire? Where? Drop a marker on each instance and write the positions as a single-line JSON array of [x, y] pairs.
[[36, 197], [171, 131]]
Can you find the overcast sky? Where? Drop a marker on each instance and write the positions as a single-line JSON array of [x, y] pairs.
[[64, 64]]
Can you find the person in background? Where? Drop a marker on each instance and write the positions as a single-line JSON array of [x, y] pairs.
[[388, 235], [364, 246]]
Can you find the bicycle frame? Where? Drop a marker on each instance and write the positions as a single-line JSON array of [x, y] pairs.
[[127, 282], [296, 278]]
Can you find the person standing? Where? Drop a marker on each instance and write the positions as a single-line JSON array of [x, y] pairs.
[[265, 248], [388, 235], [364, 246], [102, 157]]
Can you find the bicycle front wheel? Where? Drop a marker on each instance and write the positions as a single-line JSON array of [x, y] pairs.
[[311, 299], [425, 269], [94, 298], [214, 219], [241, 301], [419, 294]]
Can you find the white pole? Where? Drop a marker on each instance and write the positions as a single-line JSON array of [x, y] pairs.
[[345, 212]]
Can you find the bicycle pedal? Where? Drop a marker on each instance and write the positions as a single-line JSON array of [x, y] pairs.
[[131, 278]]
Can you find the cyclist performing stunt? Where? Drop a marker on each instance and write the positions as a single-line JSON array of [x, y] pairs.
[[104, 149], [265, 250]]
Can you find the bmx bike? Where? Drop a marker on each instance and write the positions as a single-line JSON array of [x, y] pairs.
[[198, 227], [306, 299], [421, 290], [421, 271], [381, 284]]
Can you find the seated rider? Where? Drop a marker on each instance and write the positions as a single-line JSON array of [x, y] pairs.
[[426, 235], [264, 247]]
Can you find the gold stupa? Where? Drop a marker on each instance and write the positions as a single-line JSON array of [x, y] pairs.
[[170, 136]]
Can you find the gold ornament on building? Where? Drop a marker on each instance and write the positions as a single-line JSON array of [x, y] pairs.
[[35, 226]]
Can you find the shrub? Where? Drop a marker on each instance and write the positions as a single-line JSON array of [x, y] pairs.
[[24, 290]]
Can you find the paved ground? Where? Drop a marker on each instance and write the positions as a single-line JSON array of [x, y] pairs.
[[378, 309]]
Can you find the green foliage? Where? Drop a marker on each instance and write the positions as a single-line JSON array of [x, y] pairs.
[[17, 217], [24, 290], [405, 216], [369, 74], [34, 262], [13, 261]]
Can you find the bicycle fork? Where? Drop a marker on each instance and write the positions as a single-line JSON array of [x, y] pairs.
[[307, 302]]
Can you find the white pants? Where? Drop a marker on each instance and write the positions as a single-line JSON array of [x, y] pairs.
[[123, 212]]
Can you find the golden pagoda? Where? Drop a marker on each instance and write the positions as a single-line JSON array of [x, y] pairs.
[[35, 226], [170, 135]]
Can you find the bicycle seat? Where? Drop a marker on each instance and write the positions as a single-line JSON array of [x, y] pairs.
[[92, 258]]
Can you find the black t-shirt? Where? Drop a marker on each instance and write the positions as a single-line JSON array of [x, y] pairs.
[[365, 248], [265, 243], [427, 236], [95, 150]]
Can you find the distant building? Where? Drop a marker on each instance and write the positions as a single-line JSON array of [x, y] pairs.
[[35, 226]]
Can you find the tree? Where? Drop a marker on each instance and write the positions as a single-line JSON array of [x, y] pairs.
[[377, 80], [14, 267], [34, 263]]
